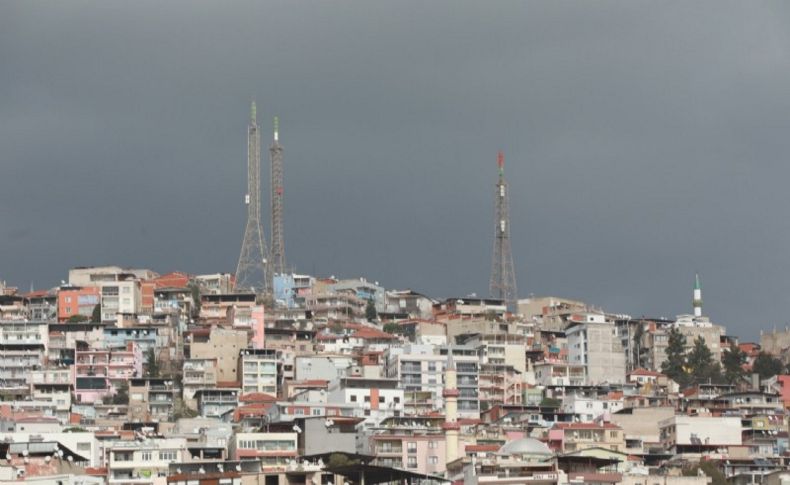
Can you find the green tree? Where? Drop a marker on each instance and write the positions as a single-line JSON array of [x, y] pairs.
[[370, 311], [77, 319], [675, 364], [392, 328], [96, 313], [151, 364], [121, 396], [700, 364], [733, 360], [766, 365], [550, 402]]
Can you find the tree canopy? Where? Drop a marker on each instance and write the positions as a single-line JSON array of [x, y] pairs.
[[675, 364], [766, 365]]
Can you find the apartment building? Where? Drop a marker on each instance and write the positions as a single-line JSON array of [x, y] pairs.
[[222, 345], [558, 373], [120, 297], [421, 368], [144, 462], [53, 385], [151, 399], [98, 373], [377, 397], [215, 307], [699, 434], [96, 275], [273, 450], [593, 343], [42, 306], [571, 437], [22, 349], [258, 369], [197, 374], [218, 402], [413, 443], [77, 301]]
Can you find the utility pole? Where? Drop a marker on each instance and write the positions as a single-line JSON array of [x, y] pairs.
[[503, 274], [251, 274]]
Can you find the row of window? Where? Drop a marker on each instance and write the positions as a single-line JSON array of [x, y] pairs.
[[169, 455], [267, 445]]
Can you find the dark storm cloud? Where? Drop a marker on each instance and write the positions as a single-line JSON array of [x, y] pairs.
[[644, 141]]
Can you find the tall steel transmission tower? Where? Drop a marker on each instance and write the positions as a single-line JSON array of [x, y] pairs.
[[251, 274], [277, 259], [503, 274]]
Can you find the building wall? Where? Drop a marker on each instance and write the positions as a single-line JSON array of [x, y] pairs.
[[679, 430], [77, 301], [643, 422], [224, 346], [597, 347]]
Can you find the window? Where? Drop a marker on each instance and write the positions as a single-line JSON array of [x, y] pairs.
[[299, 412], [367, 398], [316, 411], [613, 434], [396, 400], [431, 444], [382, 399], [411, 447], [412, 462], [353, 398], [433, 460], [123, 456], [145, 456], [167, 455]]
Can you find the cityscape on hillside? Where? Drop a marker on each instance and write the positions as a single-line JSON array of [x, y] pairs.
[[394, 243], [128, 376]]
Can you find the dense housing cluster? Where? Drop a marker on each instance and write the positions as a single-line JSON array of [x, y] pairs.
[[126, 376]]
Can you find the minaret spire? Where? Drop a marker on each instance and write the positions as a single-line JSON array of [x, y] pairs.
[[697, 301]]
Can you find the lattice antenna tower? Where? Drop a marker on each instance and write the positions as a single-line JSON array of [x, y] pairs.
[[277, 258], [503, 275], [251, 273]]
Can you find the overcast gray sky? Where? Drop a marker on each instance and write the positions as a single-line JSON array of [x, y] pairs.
[[644, 141]]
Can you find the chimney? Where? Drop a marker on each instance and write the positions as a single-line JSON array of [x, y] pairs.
[[756, 382]]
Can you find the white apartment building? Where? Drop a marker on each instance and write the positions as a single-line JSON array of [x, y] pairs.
[[53, 385], [378, 398], [559, 373], [259, 371], [590, 407], [699, 434], [421, 368], [272, 449], [144, 462], [120, 297], [24, 347]]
